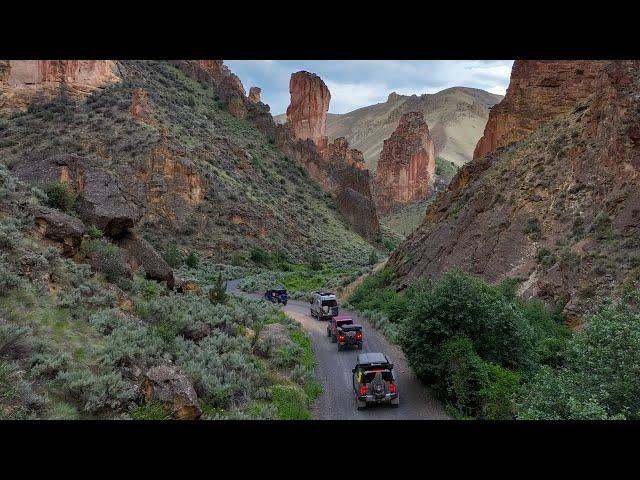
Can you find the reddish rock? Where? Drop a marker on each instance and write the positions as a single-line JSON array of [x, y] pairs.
[[538, 91], [140, 109], [254, 94], [307, 111], [63, 229], [407, 164], [22, 81]]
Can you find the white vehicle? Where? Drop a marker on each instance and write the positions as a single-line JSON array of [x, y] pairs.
[[324, 305]]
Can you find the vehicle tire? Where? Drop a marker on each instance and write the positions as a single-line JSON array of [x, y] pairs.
[[333, 339], [361, 405], [328, 333], [340, 347], [395, 403], [359, 346]]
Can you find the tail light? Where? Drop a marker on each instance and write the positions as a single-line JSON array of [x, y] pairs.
[[359, 336], [341, 338], [392, 388], [363, 390]]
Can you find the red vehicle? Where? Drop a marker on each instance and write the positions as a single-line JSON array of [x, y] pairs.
[[344, 332]]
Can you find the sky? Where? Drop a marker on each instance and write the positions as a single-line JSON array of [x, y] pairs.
[[357, 83]]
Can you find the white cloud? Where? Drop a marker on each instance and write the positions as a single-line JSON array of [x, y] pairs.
[[498, 89]]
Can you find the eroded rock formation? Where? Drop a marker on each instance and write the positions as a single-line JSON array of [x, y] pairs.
[[23, 81], [140, 109], [558, 213], [254, 94], [307, 111], [406, 165], [538, 91]]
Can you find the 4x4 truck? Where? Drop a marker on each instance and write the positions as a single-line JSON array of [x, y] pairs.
[[344, 332], [373, 380]]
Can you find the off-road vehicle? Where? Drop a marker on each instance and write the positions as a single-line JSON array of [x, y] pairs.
[[373, 380], [344, 332], [276, 296], [324, 305]]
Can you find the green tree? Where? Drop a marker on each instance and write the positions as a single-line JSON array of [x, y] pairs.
[[218, 292], [192, 260]]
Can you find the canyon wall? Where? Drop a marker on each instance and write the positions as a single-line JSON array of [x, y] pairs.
[[538, 91], [407, 164], [307, 111], [23, 81]]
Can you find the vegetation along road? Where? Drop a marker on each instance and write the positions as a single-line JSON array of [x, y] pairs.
[[334, 372]]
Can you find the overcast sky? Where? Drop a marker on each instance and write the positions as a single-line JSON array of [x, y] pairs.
[[358, 83]]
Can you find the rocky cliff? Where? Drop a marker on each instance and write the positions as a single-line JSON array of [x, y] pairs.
[[538, 91], [407, 164], [557, 212], [307, 111], [23, 81]]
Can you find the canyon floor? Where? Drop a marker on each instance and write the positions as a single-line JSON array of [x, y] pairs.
[[334, 372]]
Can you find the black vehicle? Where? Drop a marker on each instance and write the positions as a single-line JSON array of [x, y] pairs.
[[344, 332], [276, 296], [373, 380]]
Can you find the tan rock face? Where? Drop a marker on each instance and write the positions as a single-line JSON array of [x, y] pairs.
[[22, 81], [307, 111], [538, 91], [140, 109], [254, 94], [406, 165]]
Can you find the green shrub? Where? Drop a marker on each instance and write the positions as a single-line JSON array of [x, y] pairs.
[[373, 258], [218, 292], [192, 260], [259, 256], [107, 259], [290, 402], [94, 232], [149, 411], [59, 196], [173, 256]]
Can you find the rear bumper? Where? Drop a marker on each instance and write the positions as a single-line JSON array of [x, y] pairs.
[[359, 342], [372, 398]]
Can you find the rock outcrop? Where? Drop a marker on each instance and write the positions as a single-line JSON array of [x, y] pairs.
[[558, 213], [214, 72], [140, 109], [23, 81], [137, 252], [169, 386], [59, 227], [538, 91], [407, 164], [307, 110], [254, 94]]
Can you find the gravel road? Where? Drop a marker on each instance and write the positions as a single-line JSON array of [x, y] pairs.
[[334, 372]]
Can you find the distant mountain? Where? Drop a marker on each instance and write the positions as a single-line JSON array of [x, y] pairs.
[[456, 118]]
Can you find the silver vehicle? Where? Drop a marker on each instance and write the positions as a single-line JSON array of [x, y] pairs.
[[324, 305]]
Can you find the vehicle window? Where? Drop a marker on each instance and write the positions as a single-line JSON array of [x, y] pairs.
[[387, 376], [329, 303], [344, 322]]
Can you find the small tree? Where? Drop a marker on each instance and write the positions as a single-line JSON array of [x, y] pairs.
[[373, 258], [192, 260], [314, 261], [59, 196], [218, 293], [173, 256]]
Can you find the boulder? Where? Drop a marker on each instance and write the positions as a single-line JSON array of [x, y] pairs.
[[59, 227], [169, 386], [137, 252]]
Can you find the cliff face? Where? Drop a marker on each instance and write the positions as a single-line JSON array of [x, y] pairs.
[[307, 111], [407, 164], [23, 81], [538, 91], [559, 212], [336, 167]]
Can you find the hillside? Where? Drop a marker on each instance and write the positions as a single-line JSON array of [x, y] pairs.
[[128, 192], [203, 177], [456, 118], [557, 210]]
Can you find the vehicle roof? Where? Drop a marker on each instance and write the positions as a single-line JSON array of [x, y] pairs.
[[325, 294], [365, 358]]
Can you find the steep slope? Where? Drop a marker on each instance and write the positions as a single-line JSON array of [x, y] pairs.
[[456, 118], [558, 210], [182, 141]]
